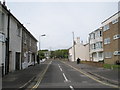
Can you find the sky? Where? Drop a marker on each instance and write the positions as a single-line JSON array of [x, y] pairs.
[[59, 19]]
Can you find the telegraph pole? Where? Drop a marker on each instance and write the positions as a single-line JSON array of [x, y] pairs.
[[73, 46]]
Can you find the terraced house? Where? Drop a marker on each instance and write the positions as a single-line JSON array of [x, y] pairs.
[[15, 42], [111, 39]]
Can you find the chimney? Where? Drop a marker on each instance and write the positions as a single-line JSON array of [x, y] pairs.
[[4, 2], [82, 42], [78, 40]]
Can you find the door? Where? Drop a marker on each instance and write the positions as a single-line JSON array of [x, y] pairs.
[[17, 67], [33, 58]]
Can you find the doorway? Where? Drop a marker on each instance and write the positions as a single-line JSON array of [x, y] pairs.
[[17, 66]]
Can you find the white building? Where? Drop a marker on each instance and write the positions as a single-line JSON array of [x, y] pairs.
[[96, 45], [11, 29], [3, 35], [2, 47], [81, 51], [12, 46]]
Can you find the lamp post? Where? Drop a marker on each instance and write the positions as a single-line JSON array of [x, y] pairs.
[[73, 46], [39, 48], [39, 39]]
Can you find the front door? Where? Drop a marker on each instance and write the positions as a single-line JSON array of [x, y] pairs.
[[17, 67]]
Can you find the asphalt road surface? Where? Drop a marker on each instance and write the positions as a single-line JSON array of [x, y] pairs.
[[59, 75]]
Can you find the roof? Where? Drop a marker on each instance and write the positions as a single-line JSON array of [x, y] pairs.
[[111, 16], [96, 30], [8, 11]]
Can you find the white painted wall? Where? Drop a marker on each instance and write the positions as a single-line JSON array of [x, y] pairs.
[[94, 53], [81, 51], [15, 43], [3, 30], [1, 54]]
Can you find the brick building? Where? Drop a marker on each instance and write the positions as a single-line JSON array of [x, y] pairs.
[[111, 39]]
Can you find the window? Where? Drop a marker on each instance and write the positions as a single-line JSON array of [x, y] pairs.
[[30, 41], [2, 21], [114, 21], [106, 27], [18, 30], [100, 33], [92, 36], [2, 37], [108, 54], [107, 41], [25, 37], [98, 45], [100, 54], [97, 34], [116, 36], [94, 46], [116, 53]]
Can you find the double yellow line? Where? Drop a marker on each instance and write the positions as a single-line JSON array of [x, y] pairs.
[[40, 79], [79, 70]]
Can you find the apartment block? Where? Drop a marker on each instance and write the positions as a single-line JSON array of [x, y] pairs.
[[96, 45], [111, 39]]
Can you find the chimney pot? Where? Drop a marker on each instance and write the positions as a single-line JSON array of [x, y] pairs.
[[4, 2]]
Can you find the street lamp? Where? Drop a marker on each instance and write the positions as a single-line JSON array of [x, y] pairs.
[[38, 57], [39, 39]]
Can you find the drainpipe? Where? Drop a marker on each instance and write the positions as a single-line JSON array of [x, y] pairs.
[[7, 46]]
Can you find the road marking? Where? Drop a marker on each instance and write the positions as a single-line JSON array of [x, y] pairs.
[[71, 87], [65, 77], [40, 79], [58, 65], [27, 83], [81, 71], [60, 68]]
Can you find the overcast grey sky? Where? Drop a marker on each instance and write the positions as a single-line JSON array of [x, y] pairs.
[[59, 19]]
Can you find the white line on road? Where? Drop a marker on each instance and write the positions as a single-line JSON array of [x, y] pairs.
[[58, 65], [65, 77], [60, 68], [71, 87]]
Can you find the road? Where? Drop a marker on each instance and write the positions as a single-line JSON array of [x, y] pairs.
[[59, 75]]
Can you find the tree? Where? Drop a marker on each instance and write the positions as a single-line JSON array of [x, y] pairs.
[[41, 54], [59, 53]]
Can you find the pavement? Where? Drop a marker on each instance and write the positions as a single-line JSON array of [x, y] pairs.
[[22, 78], [109, 75]]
